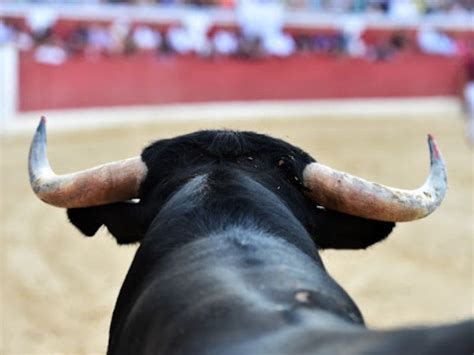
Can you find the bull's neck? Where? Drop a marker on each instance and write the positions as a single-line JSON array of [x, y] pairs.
[[209, 205]]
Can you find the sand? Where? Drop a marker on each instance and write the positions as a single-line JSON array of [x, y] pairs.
[[58, 288]]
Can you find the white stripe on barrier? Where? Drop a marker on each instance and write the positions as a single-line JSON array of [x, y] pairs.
[[8, 84]]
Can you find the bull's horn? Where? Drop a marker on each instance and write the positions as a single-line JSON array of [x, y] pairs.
[[352, 195], [108, 183]]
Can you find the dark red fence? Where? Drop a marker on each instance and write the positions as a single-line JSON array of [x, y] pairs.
[[149, 79]]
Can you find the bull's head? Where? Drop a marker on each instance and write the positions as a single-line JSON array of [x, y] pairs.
[[334, 190]]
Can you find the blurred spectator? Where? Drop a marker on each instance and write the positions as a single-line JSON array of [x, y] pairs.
[[261, 23], [469, 96], [179, 40], [278, 44], [98, 40], [225, 43], [403, 9], [432, 41], [146, 38], [41, 19], [119, 40], [191, 35], [377, 6], [399, 41], [77, 41], [352, 30], [330, 43], [50, 53], [197, 24]]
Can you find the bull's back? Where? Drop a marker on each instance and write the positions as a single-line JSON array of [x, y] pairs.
[[230, 288]]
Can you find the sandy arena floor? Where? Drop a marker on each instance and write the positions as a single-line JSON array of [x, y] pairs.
[[58, 288]]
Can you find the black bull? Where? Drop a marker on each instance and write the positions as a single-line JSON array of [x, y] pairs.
[[228, 260]]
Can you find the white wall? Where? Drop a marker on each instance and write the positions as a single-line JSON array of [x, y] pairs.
[[8, 84]]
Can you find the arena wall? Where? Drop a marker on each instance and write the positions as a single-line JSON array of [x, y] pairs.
[[146, 79]]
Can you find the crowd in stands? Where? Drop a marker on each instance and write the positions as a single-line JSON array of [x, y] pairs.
[[259, 33], [405, 6]]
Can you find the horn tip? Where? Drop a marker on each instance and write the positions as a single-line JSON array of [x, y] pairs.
[[433, 147], [42, 122], [41, 129]]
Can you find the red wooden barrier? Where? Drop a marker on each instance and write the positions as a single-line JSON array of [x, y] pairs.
[[148, 79]]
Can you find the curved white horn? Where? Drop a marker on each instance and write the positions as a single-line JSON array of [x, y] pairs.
[[108, 183], [352, 195]]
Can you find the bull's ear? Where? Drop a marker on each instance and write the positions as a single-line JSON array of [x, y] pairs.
[[123, 220], [334, 230], [87, 220]]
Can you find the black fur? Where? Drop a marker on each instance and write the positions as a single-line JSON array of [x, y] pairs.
[[228, 259]]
